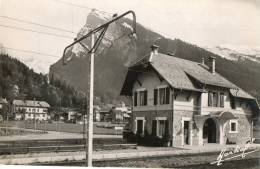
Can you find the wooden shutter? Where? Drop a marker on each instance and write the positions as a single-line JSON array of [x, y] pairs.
[[232, 102], [154, 127], [145, 98], [135, 98], [166, 131], [210, 99], [221, 100], [167, 95], [155, 96]]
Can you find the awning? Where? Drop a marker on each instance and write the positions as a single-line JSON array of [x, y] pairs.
[[223, 115]]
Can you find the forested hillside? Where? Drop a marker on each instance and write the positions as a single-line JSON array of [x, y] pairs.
[[17, 81]]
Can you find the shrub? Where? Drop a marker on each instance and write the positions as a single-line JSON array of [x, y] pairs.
[[129, 136]]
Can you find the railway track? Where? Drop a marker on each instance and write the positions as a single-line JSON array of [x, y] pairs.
[[60, 145]]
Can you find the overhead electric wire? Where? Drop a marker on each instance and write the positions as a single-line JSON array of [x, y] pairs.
[[81, 6], [38, 24], [29, 51], [35, 31]]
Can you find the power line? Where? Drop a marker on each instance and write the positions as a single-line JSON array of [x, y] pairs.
[[31, 30], [80, 6], [38, 24], [34, 52]]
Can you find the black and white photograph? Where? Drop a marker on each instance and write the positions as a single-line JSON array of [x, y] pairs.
[[130, 84]]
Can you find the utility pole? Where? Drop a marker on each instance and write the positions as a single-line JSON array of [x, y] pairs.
[[94, 45], [91, 93]]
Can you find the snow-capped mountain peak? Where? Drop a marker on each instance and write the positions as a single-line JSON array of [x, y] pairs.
[[236, 53]]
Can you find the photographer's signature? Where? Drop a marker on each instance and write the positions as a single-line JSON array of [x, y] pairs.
[[238, 151]]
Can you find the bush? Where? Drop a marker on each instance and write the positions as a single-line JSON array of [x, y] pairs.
[[129, 136], [147, 139]]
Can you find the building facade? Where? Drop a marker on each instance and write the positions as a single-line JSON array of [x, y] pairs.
[[30, 110], [188, 101]]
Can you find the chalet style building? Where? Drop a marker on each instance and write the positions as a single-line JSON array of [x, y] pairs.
[[187, 100], [30, 109]]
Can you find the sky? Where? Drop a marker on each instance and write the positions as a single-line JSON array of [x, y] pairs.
[[232, 23]]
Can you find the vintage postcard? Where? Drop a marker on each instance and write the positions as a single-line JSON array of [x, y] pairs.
[[130, 83]]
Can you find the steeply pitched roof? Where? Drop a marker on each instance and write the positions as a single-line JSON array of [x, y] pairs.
[[176, 71], [179, 72], [31, 103]]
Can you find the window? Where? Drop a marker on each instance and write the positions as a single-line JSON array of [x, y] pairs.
[[164, 95], [139, 124], [215, 99], [143, 98], [140, 98], [162, 128], [233, 124]]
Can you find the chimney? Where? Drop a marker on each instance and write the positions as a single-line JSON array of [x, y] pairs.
[[212, 65], [154, 51]]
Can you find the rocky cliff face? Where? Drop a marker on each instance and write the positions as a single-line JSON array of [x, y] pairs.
[[117, 51]]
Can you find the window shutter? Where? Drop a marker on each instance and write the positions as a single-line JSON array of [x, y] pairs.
[[166, 127], [210, 99], [232, 102], [221, 100], [135, 98], [155, 96], [145, 98], [167, 95], [154, 127]]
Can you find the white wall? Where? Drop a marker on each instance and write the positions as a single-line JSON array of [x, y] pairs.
[[149, 81]]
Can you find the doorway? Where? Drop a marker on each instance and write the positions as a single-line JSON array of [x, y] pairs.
[[186, 132], [210, 131], [139, 130]]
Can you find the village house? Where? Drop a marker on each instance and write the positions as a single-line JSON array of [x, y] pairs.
[[120, 113], [188, 101], [30, 109]]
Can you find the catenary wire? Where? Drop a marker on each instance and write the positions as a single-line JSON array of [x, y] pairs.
[[38, 24], [80, 6], [30, 51], [35, 31]]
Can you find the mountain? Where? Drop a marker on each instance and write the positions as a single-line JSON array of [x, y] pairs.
[[114, 54], [236, 54]]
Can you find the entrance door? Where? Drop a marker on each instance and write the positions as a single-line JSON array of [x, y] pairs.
[[186, 132], [139, 127], [209, 131]]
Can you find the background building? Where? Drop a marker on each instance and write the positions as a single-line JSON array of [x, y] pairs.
[[30, 109]]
